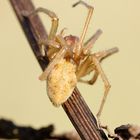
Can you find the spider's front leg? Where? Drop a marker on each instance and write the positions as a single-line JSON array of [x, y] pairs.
[[82, 37], [53, 30]]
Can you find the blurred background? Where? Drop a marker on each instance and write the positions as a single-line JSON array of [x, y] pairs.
[[23, 97]]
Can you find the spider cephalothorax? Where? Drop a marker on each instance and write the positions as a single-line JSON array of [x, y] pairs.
[[71, 40], [71, 59]]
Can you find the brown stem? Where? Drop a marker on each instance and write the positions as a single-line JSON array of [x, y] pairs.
[[75, 107]]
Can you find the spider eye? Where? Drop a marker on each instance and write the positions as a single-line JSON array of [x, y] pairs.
[[71, 40]]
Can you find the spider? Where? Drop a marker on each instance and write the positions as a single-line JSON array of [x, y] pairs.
[[71, 59]]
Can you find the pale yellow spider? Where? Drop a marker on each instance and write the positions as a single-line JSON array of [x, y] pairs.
[[71, 59]]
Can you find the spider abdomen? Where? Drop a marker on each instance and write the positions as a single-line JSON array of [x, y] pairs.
[[61, 82]]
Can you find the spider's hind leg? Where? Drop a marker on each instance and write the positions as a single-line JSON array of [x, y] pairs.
[[92, 80], [106, 84], [97, 58]]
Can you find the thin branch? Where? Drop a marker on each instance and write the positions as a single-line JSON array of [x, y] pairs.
[[75, 107]]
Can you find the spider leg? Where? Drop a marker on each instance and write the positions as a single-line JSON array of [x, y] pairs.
[[103, 54], [51, 65], [100, 55], [106, 84], [51, 14], [90, 42], [97, 57], [53, 29], [82, 37], [87, 65], [93, 79], [86, 68], [62, 32], [59, 55]]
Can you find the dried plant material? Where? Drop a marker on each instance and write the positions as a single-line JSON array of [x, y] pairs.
[[134, 130], [127, 132]]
